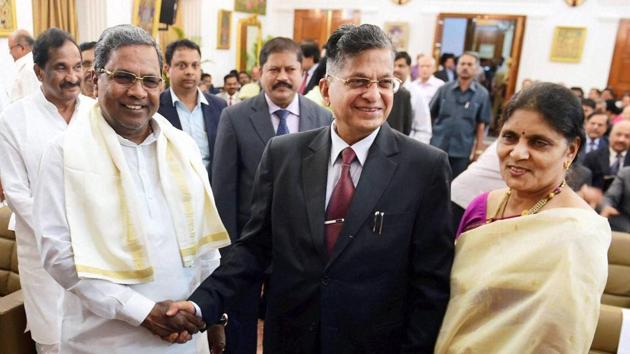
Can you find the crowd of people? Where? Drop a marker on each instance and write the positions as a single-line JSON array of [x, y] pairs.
[[350, 188]]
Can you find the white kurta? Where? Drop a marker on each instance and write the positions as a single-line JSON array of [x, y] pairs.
[[100, 315], [26, 82], [26, 128], [421, 124]]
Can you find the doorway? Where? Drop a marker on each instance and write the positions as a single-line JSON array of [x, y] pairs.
[[619, 76], [497, 39], [317, 25]]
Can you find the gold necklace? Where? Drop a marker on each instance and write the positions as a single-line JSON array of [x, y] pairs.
[[533, 210]]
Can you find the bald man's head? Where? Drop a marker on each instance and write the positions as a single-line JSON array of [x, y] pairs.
[[426, 66], [620, 136], [20, 43]]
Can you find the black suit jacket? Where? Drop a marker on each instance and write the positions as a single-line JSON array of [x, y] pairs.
[[603, 143], [442, 75], [376, 293], [244, 130], [598, 162], [401, 116], [211, 114]]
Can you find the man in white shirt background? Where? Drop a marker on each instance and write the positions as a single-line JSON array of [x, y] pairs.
[[20, 47], [427, 83], [421, 123], [26, 128], [230, 89]]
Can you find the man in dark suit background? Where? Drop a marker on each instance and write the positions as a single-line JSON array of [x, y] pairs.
[[595, 129], [361, 257], [448, 72], [244, 130], [184, 104], [606, 162]]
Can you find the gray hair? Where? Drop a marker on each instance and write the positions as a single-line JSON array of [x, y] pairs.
[[121, 36], [472, 54], [349, 41]]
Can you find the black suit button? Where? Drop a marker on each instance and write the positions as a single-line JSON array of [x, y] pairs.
[[325, 281]]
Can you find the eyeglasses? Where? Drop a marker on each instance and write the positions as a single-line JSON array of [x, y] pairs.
[[355, 83], [128, 79]]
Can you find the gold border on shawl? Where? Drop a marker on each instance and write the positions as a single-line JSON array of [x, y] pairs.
[[140, 275], [216, 237]]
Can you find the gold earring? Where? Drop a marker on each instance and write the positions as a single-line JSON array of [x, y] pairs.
[[566, 165]]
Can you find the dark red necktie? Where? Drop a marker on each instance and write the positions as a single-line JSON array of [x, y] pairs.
[[339, 200], [304, 83]]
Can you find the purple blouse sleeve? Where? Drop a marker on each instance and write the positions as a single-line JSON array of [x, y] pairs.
[[474, 215]]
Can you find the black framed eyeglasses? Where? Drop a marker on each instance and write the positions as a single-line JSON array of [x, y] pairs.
[[126, 78], [355, 83]]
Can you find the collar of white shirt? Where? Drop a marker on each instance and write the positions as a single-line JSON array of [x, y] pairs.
[[49, 106], [200, 97], [150, 139], [613, 154], [293, 107], [361, 147], [25, 60]]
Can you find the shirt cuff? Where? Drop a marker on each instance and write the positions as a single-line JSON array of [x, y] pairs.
[[197, 309], [136, 309]]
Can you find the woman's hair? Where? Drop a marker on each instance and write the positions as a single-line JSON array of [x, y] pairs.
[[559, 107]]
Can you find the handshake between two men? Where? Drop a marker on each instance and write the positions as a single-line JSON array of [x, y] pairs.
[[177, 322]]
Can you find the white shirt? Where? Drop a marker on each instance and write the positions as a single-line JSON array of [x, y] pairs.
[[193, 123], [613, 157], [231, 100], [100, 315], [429, 88], [481, 176], [421, 125], [361, 149], [26, 81], [293, 119], [26, 128]]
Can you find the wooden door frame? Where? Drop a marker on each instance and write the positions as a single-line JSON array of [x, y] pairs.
[[517, 41], [616, 60]]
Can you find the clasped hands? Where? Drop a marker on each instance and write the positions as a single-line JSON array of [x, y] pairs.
[[176, 322]]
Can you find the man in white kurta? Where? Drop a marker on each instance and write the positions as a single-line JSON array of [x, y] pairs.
[[125, 210], [26, 128], [421, 124], [20, 47]]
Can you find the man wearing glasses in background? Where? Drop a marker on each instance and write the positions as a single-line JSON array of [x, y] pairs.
[[21, 46], [87, 63], [27, 126], [353, 218], [125, 212]]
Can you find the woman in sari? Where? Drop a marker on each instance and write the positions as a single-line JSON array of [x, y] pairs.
[[531, 259]]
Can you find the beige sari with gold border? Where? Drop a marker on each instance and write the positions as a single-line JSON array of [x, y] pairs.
[[530, 284]]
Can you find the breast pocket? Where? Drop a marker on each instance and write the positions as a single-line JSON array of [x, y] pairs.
[[385, 223]]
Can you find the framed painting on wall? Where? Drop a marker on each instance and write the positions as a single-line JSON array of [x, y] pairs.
[[251, 6], [568, 44], [399, 33], [224, 29], [7, 17], [146, 15]]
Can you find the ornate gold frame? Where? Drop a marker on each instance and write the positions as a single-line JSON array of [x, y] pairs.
[[242, 41], [568, 44], [5, 32], [155, 23]]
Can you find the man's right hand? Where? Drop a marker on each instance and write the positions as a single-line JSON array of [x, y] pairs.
[[177, 327], [609, 211]]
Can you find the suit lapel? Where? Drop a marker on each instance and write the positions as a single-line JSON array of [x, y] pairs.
[[170, 112], [260, 118], [379, 168], [314, 175], [307, 120]]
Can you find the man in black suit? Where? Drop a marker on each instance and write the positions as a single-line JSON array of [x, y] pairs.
[[606, 162], [595, 129], [184, 104], [361, 257], [244, 130], [448, 72]]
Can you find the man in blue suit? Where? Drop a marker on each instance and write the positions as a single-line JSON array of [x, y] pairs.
[[184, 105]]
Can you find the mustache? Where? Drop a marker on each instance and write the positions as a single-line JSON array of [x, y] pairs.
[[69, 84], [282, 84]]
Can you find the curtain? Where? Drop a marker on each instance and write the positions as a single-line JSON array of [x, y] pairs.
[[55, 13], [92, 19]]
